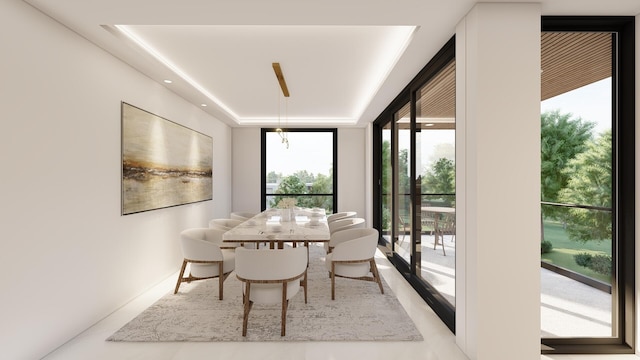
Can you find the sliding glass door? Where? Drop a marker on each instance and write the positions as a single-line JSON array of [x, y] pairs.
[[416, 192], [587, 185]]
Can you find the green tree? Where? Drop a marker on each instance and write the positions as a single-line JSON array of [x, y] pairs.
[[323, 184], [273, 177], [589, 183], [386, 184], [289, 185], [441, 178], [304, 176], [562, 138]]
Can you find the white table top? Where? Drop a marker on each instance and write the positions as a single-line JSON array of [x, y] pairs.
[[267, 226]]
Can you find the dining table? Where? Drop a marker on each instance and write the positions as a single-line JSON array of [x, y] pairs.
[[279, 226]]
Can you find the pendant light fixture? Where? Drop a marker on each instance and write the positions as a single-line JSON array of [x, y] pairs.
[[285, 92]]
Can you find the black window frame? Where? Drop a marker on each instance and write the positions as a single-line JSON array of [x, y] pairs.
[[263, 163], [442, 308], [623, 202]]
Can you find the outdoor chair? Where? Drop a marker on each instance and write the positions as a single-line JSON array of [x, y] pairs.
[[446, 226]]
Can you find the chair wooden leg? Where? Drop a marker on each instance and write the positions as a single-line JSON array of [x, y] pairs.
[[247, 308], [304, 284], [184, 266], [221, 281], [333, 280], [376, 275], [285, 303]]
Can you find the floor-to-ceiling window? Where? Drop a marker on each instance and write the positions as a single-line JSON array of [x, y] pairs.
[[415, 197], [301, 167], [587, 120], [435, 178]]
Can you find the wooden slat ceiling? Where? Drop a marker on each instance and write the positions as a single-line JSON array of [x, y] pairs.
[[568, 60], [573, 60], [436, 100]]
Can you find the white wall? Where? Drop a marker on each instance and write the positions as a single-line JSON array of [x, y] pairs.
[[352, 175], [352, 179], [498, 181], [246, 169], [67, 256]]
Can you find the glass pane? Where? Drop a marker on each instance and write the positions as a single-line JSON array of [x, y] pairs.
[[435, 140], [402, 176], [304, 168], [576, 187]]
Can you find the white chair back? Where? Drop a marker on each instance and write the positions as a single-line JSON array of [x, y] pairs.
[[344, 224], [341, 215], [227, 224], [195, 246], [241, 215], [205, 258], [211, 234], [271, 264], [270, 277]]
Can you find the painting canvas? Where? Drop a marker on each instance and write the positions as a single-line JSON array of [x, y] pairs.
[[163, 163]]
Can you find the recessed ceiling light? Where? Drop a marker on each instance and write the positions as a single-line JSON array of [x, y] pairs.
[[203, 105], [168, 81], [153, 52], [429, 124]]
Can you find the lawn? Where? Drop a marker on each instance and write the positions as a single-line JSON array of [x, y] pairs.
[[564, 249]]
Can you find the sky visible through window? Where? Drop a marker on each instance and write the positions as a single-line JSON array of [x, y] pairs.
[[310, 151], [591, 102]]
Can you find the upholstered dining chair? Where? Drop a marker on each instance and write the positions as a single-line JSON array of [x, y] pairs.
[[215, 235], [345, 235], [241, 215], [270, 277], [205, 258], [226, 224], [341, 215], [344, 224], [354, 259]]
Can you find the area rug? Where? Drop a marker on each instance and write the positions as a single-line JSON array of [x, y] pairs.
[[359, 313]]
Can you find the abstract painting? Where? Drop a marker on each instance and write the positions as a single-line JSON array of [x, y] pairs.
[[164, 164]]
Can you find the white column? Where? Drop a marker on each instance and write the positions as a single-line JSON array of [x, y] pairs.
[[498, 182]]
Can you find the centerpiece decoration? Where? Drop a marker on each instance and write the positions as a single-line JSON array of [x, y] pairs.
[[286, 206]]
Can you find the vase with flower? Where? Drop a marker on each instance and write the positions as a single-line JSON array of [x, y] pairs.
[[286, 206]]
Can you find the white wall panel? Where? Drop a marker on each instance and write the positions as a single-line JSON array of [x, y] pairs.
[[499, 205], [67, 256]]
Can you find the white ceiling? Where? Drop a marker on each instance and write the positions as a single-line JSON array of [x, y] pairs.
[[343, 60]]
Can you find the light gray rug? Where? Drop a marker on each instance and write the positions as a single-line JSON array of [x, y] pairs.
[[359, 313]]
